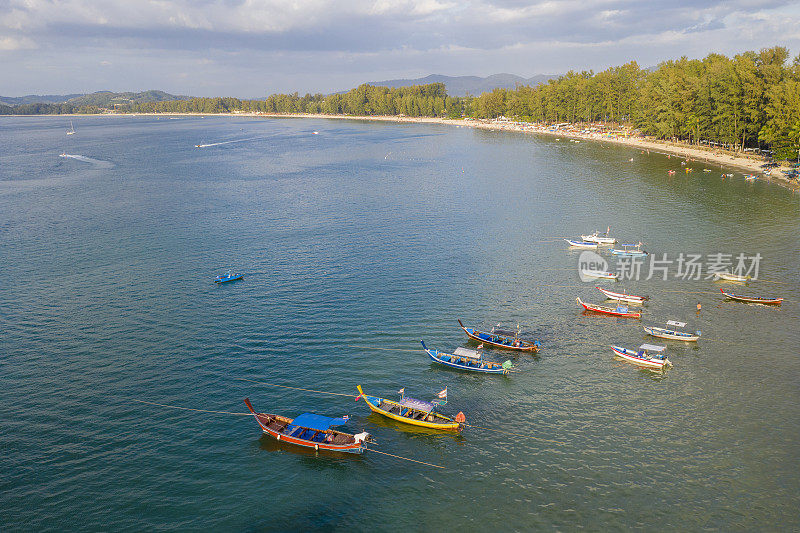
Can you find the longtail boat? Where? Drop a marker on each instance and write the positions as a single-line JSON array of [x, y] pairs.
[[629, 250], [581, 244], [469, 360], [753, 299], [588, 272], [642, 357], [412, 411], [622, 296], [672, 333], [311, 431], [229, 276], [727, 276], [620, 310], [501, 339]]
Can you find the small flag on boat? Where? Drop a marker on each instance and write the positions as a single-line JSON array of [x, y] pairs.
[[480, 346], [346, 418], [443, 394], [402, 391]]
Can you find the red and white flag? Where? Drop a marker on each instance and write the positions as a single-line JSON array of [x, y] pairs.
[[480, 346], [401, 391], [443, 394]]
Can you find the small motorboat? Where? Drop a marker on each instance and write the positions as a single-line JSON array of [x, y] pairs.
[[581, 244], [753, 299], [630, 250], [673, 333], [469, 360], [648, 355], [311, 431], [229, 276], [622, 296], [599, 274], [728, 276], [413, 411], [620, 310], [501, 338]]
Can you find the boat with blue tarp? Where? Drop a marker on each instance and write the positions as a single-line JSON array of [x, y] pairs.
[[311, 431], [674, 332], [469, 360], [413, 411], [648, 355], [501, 338], [229, 276]]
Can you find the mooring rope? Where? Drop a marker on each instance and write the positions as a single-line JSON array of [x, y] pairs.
[[191, 409], [404, 458], [297, 388]]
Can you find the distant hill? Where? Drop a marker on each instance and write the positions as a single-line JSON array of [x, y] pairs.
[[474, 85], [37, 99], [103, 99]]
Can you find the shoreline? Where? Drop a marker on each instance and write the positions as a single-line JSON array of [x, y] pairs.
[[690, 153]]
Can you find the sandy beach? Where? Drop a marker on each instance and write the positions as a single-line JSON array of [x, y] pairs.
[[750, 164]]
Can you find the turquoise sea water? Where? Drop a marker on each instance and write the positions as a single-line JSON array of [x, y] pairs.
[[357, 243]]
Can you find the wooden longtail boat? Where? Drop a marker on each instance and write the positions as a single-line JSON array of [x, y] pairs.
[[469, 360], [753, 299], [727, 276], [620, 310], [672, 333], [598, 274], [642, 357], [229, 276], [630, 250], [499, 340], [622, 296], [581, 244], [412, 411], [311, 431]]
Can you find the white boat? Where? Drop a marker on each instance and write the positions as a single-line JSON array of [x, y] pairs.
[[71, 130], [599, 274], [630, 250], [600, 238], [728, 276], [622, 296], [648, 355], [672, 333], [581, 244]]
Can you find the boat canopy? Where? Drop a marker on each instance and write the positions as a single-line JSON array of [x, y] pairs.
[[466, 352], [652, 348], [676, 323], [317, 422], [417, 404]]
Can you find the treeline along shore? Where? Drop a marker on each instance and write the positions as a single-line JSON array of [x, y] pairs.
[[748, 102]]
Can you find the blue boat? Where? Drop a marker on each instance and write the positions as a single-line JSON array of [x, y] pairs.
[[229, 276], [469, 360]]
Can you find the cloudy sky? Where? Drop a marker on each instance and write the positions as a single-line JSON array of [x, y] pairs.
[[249, 48]]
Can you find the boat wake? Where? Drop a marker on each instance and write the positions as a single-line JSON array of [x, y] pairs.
[[225, 142], [98, 162]]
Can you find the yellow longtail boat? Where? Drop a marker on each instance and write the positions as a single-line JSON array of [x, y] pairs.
[[412, 411]]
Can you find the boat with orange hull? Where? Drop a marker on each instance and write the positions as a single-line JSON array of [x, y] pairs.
[[620, 310], [311, 431], [753, 299]]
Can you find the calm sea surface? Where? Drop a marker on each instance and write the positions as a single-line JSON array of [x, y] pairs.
[[357, 243]]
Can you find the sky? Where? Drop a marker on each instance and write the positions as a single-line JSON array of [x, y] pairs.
[[252, 48]]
